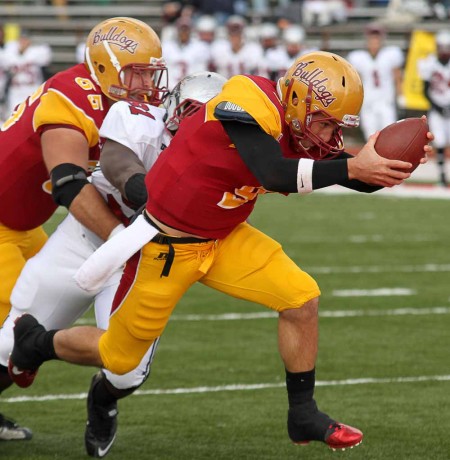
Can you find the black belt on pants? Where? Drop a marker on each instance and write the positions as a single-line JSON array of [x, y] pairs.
[[163, 238]]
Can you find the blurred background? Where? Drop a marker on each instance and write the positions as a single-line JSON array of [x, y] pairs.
[[41, 37]]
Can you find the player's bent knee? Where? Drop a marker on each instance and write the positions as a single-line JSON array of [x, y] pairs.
[[308, 311], [120, 365], [114, 360], [138, 375]]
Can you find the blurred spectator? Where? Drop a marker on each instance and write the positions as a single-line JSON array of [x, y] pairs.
[[220, 9], [279, 55], [380, 68], [236, 55], [172, 11], [407, 11], [439, 9], [206, 27], [288, 13], [272, 58], [260, 8], [184, 54], [80, 46], [79, 52], [3, 76], [26, 63], [61, 4], [323, 12], [294, 46], [435, 72]]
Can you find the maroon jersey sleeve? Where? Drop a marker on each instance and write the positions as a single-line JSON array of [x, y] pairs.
[[70, 99]]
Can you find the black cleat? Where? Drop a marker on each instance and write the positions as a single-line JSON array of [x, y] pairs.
[[25, 359], [10, 431], [306, 423], [101, 425]]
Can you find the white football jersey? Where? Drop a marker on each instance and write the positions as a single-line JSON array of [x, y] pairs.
[[438, 74], [245, 61], [146, 136], [272, 63], [2, 74], [141, 128], [377, 72], [183, 60], [26, 71], [280, 59]]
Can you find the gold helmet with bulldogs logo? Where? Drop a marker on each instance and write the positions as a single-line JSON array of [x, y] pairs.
[[121, 50], [320, 83]]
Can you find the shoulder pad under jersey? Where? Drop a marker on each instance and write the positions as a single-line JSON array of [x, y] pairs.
[[229, 111]]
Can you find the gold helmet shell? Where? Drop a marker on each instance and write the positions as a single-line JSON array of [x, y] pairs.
[[321, 83], [119, 45]]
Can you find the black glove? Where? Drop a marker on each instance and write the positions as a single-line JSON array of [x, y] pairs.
[[135, 191]]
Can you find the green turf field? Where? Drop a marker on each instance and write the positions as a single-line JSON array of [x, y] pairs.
[[217, 384]]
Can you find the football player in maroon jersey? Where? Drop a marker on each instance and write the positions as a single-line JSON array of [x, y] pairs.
[[50, 139], [255, 137]]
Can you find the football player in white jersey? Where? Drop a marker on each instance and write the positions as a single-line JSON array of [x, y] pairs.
[[185, 54], [25, 62], [135, 134], [272, 62], [435, 72], [237, 55], [293, 46], [3, 77], [206, 28], [380, 68]]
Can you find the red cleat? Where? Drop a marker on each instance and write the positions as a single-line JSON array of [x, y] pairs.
[[343, 436], [339, 437], [21, 378]]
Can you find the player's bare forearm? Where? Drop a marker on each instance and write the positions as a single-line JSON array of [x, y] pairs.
[[90, 209]]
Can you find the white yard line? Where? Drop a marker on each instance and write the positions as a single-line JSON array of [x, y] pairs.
[[322, 314], [425, 268], [380, 292], [401, 191], [237, 387]]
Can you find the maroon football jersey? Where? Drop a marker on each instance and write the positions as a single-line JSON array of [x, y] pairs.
[[68, 99], [200, 184]]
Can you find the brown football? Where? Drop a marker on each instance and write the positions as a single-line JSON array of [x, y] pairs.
[[403, 140]]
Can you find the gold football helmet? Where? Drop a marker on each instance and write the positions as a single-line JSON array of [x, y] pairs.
[[124, 57], [320, 83]]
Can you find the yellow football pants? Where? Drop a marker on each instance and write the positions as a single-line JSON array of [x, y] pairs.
[[16, 247], [247, 264]]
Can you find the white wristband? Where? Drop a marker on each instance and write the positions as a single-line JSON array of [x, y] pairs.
[[116, 230], [304, 176]]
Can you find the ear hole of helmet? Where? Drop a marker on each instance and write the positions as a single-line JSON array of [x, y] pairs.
[[101, 68]]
